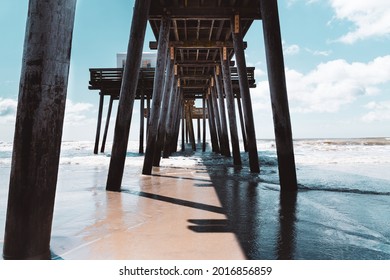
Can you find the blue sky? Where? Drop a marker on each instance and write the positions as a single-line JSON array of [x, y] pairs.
[[337, 58]]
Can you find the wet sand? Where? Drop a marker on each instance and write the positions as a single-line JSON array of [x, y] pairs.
[[208, 209]]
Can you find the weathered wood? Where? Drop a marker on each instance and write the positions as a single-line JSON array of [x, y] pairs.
[[204, 124], [168, 91], [199, 129], [242, 123], [230, 106], [38, 130], [222, 111], [107, 125], [217, 120], [127, 95], [171, 121], [99, 123], [157, 95], [246, 98], [183, 116], [190, 126], [141, 123], [278, 90], [196, 44], [213, 130]]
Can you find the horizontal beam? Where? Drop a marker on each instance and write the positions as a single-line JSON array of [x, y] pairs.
[[204, 13], [201, 63], [197, 44]]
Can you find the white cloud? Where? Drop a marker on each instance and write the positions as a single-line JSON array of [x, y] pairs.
[[330, 85], [76, 113], [379, 111], [292, 50], [7, 110], [371, 18], [318, 52]]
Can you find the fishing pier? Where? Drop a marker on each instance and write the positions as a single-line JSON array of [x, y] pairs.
[[195, 42]]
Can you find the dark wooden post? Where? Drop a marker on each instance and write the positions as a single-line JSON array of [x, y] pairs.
[[278, 89], [107, 125], [243, 130], [213, 96], [167, 93], [190, 125], [230, 106], [158, 88], [172, 114], [204, 123], [199, 129], [183, 117], [141, 121], [213, 131], [177, 121], [38, 131], [222, 110], [127, 94], [245, 94], [99, 123]]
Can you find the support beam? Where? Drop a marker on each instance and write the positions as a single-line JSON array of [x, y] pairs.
[[171, 121], [245, 95], [99, 123], [38, 130], [204, 124], [157, 95], [141, 123], [279, 100], [197, 44], [127, 94], [242, 123], [222, 111], [107, 125], [230, 106], [213, 96], [168, 91], [213, 130]]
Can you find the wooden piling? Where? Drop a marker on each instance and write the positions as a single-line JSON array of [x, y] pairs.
[[168, 91], [242, 123], [127, 94], [204, 123], [222, 110], [245, 94], [278, 90], [213, 96], [99, 123], [141, 122], [38, 130], [107, 125], [213, 130], [171, 121], [230, 106], [157, 95]]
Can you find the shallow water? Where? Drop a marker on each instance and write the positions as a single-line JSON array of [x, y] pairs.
[[341, 211]]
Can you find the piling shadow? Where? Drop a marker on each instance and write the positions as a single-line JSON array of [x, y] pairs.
[[240, 197]]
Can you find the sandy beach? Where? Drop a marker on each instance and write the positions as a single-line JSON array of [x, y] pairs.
[[199, 206]]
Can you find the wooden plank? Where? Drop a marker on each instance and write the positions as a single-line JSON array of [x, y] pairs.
[[127, 95], [278, 90], [38, 130], [157, 95], [246, 99], [197, 44]]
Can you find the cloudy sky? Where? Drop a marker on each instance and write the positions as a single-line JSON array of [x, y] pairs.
[[337, 58]]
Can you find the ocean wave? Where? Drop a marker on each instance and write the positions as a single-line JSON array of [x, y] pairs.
[[343, 190]]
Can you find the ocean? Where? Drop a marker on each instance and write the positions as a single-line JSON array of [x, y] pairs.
[[341, 211]]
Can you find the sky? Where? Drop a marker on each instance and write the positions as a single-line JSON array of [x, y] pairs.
[[336, 52]]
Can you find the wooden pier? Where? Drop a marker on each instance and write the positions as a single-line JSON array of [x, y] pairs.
[[195, 42]]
